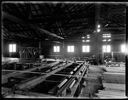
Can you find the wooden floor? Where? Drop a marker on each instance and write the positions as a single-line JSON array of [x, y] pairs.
[[113, 82], [112, 91], [93, 83]]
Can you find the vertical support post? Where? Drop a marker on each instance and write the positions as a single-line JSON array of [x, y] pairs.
[[112, 56], [39, 47], [63, 50], [97, 19], [2, 47]]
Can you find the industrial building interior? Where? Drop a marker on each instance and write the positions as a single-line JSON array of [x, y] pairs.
[[63, 50]]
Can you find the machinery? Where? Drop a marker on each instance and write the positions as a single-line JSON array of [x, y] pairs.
[[54, 78]]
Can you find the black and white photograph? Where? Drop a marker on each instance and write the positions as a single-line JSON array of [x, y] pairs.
[[63, 49]]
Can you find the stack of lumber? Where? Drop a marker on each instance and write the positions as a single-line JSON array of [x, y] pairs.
[[112, 90]]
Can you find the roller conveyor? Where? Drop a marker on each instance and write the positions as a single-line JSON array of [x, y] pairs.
[[24, 66], [6, 72], [51, 85], [55, 78], [69, 89], [23, 77], [68, 70], [62, 83], [6, 76], [55, 83], [49, 68], [9, 66], [16, 72], [44, 87], [40, 79]]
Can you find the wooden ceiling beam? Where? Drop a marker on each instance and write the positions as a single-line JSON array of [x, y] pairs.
[[18, 20], [115, 28]]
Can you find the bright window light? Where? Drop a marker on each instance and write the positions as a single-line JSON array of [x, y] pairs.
[[12, 47], [98, 30], [98, 26], [86, 48], [104, 40], [109, 40], [87, 40], [106, 36], [56, 48], [83, 37], [70, 49], [123, 48], [88, 36], [106, 48], [83, 40]]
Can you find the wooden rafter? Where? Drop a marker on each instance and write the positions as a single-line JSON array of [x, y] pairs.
[[17, 20]]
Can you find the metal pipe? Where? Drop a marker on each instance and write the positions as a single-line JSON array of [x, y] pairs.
[[69, 76], [72, 84], [79, 73], [75, 69], [62, 83], [71, 72], [82, 69]]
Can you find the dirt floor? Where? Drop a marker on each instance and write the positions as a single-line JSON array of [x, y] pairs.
[[93, 82], [97, 75]]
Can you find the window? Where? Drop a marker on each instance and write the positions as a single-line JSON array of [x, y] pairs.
[[106, 35], [12, 47], [123, 48], [104, 40], [106, 48], [88, 36], [70, 49], [83, 37], [109, 39], [98, 26], [98, 30], [86, 48], [56, 48], [87, 40], [83, 40]]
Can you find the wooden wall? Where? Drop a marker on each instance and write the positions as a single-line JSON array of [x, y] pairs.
[[47, 49]]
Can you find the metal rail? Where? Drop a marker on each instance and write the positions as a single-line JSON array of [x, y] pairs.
[[40, 79]]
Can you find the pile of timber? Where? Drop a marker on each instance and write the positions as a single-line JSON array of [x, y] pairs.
[[112, 90]]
